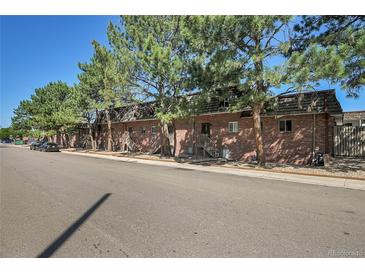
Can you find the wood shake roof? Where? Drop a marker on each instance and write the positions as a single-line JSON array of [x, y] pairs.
[[296, 103]]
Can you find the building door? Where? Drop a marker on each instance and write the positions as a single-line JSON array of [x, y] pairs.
[[206, 129]]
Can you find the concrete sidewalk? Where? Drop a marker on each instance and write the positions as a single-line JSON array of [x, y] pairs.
[[296, 178], [303, 179]]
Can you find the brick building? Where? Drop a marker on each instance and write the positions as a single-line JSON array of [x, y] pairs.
[[297, 126]]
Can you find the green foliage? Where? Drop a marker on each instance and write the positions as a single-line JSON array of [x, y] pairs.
[[11, 133], [154, 51], [103, 82], [47, 109], [314, 64], [22, 118], [234, 53], [6, 133], [166, 58], [47, 106], [342, 39]]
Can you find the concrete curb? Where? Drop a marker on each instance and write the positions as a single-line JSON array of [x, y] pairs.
[[245, 172], [296, 178]]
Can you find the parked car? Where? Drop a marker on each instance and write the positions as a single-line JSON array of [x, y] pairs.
[[34, 145], [48, 147], [6, 141]]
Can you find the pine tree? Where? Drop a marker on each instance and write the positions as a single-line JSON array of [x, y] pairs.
[[155, 51], [250, 56], [340, 36], [103, 81]]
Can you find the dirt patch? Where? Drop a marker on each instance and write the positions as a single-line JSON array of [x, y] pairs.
[[339, 167]]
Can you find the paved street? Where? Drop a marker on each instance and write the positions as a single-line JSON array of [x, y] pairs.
[[59, 205]]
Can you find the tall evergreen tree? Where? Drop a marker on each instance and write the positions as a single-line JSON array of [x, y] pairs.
[[104, 83], [155, 51], [22, 118], [46, 111], [343, 36], [234, 52], [249, 54]]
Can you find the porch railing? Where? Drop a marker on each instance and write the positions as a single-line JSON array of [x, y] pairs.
[[208, 145]]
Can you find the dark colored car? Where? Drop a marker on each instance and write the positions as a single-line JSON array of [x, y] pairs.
[[48, 147], [34, 145]]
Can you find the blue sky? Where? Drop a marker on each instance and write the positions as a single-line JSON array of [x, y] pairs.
[[38, 49]]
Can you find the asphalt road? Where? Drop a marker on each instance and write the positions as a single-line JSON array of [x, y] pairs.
[[59, 205]]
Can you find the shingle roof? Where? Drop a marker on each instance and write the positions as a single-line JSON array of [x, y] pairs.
[[307, 102], [296, 103]]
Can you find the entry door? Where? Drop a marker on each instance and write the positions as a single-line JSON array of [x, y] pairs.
[[206, 129]]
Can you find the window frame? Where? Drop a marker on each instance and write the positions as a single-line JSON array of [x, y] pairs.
[[226, 103], [152, 132], [233, 123], [286, 126]]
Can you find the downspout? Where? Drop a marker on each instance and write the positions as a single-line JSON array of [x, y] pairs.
[[193, 145], [326, 130], [326, 135], [314, 136]]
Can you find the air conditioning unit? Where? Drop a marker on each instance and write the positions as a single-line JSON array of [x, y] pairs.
[[226, 153]]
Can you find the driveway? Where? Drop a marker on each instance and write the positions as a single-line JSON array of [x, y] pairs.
[[61, 205]]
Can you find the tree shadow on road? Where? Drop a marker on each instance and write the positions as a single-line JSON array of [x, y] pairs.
[[69, 231]]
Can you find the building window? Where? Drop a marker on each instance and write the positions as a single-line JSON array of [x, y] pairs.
[[143, 130], [233, 127], [262, 126], [348, 124], [170, 129], [130, 129], [285, 125], [224, 103], [154, 129]]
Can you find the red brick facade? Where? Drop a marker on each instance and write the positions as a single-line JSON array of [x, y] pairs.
[[296, 146]]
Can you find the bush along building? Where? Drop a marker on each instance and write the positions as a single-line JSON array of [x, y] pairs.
[[299, 125]]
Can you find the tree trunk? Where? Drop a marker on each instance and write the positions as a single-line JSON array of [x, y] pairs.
[[93, 145], [109, 133], [258, 134], [67, 139], [165, 141], [64, 138], [96, 130], [175, 140]]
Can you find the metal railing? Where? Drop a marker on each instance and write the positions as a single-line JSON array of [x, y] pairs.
[[208, 145]]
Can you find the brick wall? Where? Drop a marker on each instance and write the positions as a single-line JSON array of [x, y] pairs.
[[294, 147], [146, 141], [284, 147], [184, 136]]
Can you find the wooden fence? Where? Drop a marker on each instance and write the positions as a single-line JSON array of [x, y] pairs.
[[349, 141]]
